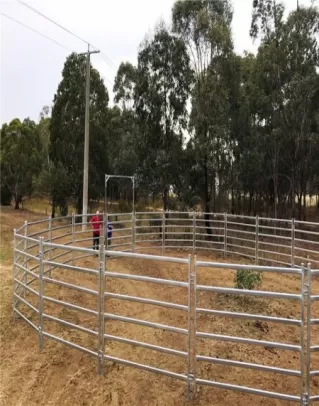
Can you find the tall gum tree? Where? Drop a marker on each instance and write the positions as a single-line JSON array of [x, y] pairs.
[[205, 27], [67, 129], [164, 80]]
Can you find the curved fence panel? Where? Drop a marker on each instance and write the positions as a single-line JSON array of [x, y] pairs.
[[262, 335], [104, 301], [313, 334]]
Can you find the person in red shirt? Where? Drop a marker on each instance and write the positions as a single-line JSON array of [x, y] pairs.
[[96, 222]]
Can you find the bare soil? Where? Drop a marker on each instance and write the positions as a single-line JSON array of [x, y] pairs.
[[60, 375]]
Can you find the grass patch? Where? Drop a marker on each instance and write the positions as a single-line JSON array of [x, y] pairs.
[[3, 257]]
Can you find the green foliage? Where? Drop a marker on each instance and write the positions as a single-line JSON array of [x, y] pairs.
[[251, 121], [124, 85], [205, 27], [20, 158], [162, 89], [67, 130], [247, 279]]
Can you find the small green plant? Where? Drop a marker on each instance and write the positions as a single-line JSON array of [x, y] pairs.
[[247, 279]]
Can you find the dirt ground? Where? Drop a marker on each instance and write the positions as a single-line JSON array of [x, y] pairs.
[[60, 375]]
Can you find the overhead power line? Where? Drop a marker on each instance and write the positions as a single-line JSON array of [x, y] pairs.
[[51, 21], [102, 54], [37, 32], [108, 61]]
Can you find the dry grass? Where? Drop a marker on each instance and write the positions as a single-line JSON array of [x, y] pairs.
[[63, 376]]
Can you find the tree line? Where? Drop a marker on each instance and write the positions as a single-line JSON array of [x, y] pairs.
[[199, 125]]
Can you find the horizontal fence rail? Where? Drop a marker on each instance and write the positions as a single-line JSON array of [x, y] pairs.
[[48, 251], [215, 267]]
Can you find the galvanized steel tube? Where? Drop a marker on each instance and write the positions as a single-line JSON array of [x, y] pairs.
[[144, 323], [146, 279], [249, 365], [241, 340], [146, 368], [308, 356], [270, 319], [251, 391], [146, 301], [152, 347], [41, 293]]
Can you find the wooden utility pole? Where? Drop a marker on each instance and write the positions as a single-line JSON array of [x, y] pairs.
[[86, 138]]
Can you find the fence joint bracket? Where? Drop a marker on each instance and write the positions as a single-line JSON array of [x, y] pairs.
[[305, 399], [191, 387]]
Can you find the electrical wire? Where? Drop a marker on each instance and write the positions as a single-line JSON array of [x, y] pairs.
[[108, 61], [102, 54], [48, 38], [51, 21], [37, 32]]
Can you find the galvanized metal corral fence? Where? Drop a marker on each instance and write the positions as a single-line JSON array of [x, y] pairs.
[[47, 252], [265, 240]]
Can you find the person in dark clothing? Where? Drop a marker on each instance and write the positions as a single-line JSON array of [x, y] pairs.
[[96, 222], [108, 233]]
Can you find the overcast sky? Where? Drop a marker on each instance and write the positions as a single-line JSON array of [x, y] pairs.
[[31, 66]]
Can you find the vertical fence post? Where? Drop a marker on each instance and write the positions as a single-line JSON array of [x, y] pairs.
[[50, 241], [106, 221], [194, 231], [308, 355], [302, 335], [101, 309], [25, 262], [163, 230], [14, 274], [257, 240], [225, 234], [189, 338], [133, 231], [73, 227], [194, 327], [191, 347], [73, 235], [293, 242], [41, 272], [103, 231]]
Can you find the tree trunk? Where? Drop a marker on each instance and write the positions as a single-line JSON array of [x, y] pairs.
[[304, 205], [209, 231], [53, 207], [239, 207], [232, 201], [165, 198], [250, 202], [16, 204], [299, 206], [275, 193], [79, 205], [293, 195], [53, 210]]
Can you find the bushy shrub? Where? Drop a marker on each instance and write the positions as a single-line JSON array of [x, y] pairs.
[[247, 279]]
